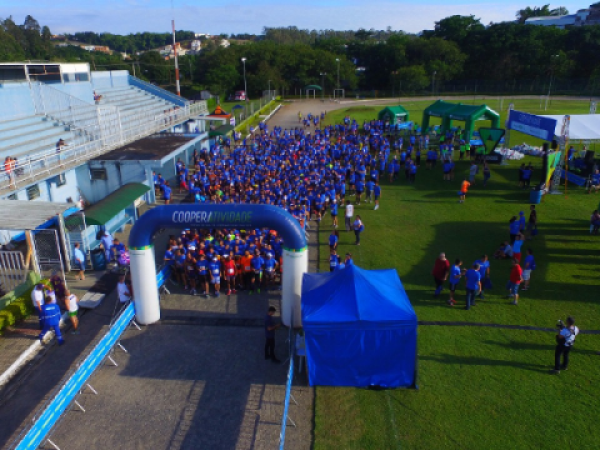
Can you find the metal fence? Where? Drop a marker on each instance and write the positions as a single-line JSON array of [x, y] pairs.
[[13, 271]]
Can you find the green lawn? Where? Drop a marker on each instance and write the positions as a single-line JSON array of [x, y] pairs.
[[480, 388]]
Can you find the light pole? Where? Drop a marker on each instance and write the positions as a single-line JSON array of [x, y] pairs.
[[323, 85], [433, 83], [245, 88], [338, 72], [270, 97], [550, 83]]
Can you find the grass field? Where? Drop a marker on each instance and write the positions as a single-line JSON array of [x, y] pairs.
[[480, 388]]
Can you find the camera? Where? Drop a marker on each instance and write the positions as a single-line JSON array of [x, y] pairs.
[[560, 324]]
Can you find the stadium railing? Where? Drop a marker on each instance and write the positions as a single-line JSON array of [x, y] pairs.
[[288, 387]]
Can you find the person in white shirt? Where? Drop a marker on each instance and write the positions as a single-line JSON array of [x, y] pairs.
[[37, 298], [72, 304], [107, 241], [564, 343], [348, 216], [123, 290]]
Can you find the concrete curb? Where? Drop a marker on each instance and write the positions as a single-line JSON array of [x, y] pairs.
[[29, 354]]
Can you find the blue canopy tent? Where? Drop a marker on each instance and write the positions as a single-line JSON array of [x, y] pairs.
[[360, 329]]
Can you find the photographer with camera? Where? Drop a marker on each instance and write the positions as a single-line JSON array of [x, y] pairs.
[[564, 343]]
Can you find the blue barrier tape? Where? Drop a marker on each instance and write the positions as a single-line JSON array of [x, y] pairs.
[[58, 405], [286, 404]]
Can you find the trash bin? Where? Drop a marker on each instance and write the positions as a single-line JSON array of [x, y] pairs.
[[98, 259], [535, 196]]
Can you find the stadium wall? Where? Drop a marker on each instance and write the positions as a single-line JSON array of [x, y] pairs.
[[16, 101]]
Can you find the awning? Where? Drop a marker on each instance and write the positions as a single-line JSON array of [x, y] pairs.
[[221, 131], [316, 87], [30, 215], [100, 213]]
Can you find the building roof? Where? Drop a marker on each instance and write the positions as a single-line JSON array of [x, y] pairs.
[[107, 208], [152, 148], [28, 215]]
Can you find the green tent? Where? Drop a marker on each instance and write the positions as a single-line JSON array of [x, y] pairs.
[[395, 114], [464, 113]]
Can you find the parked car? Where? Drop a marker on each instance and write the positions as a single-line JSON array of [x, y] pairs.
[[239, 95]]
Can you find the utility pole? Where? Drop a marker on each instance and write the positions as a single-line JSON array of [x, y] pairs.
[[177, 88]]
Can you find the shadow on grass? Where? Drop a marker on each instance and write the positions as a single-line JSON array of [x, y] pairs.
[[480, 361]]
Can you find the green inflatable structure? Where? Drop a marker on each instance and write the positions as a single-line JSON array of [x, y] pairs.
[[468, 114]]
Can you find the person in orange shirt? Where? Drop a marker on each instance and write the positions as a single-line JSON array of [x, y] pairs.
[[464, 187], [247, 269]]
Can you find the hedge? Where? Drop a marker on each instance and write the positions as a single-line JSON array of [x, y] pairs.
[[19, 307]]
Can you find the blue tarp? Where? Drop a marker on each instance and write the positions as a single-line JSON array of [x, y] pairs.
[[360, 329]]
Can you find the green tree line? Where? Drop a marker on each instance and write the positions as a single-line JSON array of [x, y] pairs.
[[459, 50]]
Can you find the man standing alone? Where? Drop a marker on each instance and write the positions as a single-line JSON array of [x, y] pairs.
[[270, 327], [348, 216]]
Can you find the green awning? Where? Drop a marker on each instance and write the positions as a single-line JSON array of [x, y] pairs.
[[223, 130], [100, 213], [316, 87]]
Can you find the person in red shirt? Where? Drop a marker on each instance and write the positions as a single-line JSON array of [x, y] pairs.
[[464, 187], [440, 272], [516, 276], [229, 270]]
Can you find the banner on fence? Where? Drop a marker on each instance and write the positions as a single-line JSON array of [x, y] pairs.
[[540, 127]]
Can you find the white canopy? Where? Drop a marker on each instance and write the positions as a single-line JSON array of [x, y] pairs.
[[583, 127]]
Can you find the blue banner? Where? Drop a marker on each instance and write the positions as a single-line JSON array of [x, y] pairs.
[[539, 127]]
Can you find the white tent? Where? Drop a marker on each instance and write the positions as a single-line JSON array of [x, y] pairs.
[[583, 127]]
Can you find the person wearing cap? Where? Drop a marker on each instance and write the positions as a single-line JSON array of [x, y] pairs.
[[348, 260], [214, 269], [270, 327], [51, 316], [59, 287], [440, 272], [37, 298]]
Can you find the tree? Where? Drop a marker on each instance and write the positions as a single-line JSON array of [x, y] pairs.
[[457, 28], [412, 78], [540, 11]]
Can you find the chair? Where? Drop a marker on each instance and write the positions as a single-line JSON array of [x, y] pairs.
[[300, 351]]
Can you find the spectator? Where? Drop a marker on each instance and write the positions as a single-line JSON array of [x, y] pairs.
[[123, 291], [51, 316], [59, 287], [455, 273], [473, 285], [595, 222], [107, 242], [37, 298], [348, 216], [533, 222], [564, 343], [594, 184], [513, 228], [528, 266], [270, 327], [487, 173], [462, 194], [79, 261], [358, 227], [505, 251], [516, 276], [72, 304], [440, 272], [472, 172]]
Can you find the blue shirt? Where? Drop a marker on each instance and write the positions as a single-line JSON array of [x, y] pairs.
[[514, 227], [483, 267], [257, 262], [454, 274], [529, 262], [78, 254], [473, 278], [215, 268], [333, 239], [268, 324], [51, 314], [517, 245]]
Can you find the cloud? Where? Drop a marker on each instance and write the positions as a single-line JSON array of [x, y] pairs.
[[132, 16]]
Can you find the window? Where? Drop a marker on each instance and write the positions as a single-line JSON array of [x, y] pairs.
[[12, 197], [72, 77], [33, 192], [12, 73], [44, 73], [98, 174], [61, 180]]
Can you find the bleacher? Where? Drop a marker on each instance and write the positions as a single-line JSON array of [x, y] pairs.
[[129, 109], [24, 137]]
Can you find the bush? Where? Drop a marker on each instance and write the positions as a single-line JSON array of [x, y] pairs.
[[19, 309]]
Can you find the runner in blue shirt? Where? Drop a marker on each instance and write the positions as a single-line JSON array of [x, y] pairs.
[[258, 263], [166, 193], [214, 268], [334, 213], [455, 273], [333, 240], [473, 285], [484, 273], [202, 274], [369, 190]]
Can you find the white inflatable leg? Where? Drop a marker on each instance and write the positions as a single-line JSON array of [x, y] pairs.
[[143, 282], [295, 264]]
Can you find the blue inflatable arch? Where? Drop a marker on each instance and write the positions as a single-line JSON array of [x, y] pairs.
[[241, 217]]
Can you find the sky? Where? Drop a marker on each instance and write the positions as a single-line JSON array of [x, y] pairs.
[[250, 16]]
